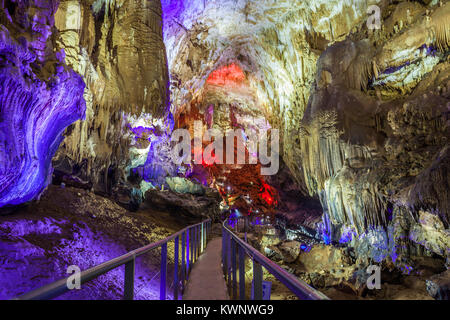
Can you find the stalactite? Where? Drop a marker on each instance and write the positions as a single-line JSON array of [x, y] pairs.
[[441, 24], [126, 75]]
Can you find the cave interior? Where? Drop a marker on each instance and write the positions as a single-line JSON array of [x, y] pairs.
[[322, 126]]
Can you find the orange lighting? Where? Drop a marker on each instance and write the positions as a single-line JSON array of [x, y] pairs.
[[231, 74]]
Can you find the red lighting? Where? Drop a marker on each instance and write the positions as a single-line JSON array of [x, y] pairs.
[[267, 193], [231, 74]]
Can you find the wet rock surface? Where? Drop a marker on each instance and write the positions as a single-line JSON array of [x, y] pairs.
[[341, 273]]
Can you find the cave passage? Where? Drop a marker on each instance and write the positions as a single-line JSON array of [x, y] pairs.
[[314, 131]]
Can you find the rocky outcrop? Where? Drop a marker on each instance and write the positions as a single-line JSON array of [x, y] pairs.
[[39, 97], [290, 250], [186, 205], [439, 286], [73, 227]]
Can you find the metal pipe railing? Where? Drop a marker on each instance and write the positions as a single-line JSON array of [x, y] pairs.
[[194, 236], [232, 243]]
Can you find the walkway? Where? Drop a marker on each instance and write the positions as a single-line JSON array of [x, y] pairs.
[[206, 281]]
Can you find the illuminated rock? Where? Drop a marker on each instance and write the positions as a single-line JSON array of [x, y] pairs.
[[39, 97], [117, 47], [362, 113]]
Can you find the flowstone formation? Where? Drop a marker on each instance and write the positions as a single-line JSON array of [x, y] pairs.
[[40, 95], [375, 135], [117, 47]]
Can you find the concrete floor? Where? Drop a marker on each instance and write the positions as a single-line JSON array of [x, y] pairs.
[[206, 281]]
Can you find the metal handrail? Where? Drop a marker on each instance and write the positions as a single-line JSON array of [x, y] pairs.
[[193, 238], [232, 243]]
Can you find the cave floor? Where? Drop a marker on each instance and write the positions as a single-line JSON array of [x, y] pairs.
[[69, 226]]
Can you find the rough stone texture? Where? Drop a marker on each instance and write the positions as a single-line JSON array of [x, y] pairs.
[[367, 146], [290, 251], [439, 286], [39, 97], [117, 47], [182, 204]]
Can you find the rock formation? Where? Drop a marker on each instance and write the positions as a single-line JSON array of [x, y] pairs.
[[116, 46], [375, 131], [39, 97]]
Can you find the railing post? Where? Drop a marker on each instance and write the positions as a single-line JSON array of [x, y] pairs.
[[224, 253], [191, 245], [129, 280], [257, 281], [229, 239], [183, 259], [175, 289], [188, 252], [234, 265], [163, 284], [202, 239], [241, 273], [197, 238], [194, 259]]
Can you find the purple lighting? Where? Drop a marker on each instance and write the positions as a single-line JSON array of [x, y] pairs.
[[35, 109], [26, 265]]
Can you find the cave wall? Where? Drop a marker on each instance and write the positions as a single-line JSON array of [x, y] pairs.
[[374, 137], [40, 95], [102, 63], [117, 47]]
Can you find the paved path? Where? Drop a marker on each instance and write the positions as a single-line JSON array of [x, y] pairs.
[[206, 281]]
